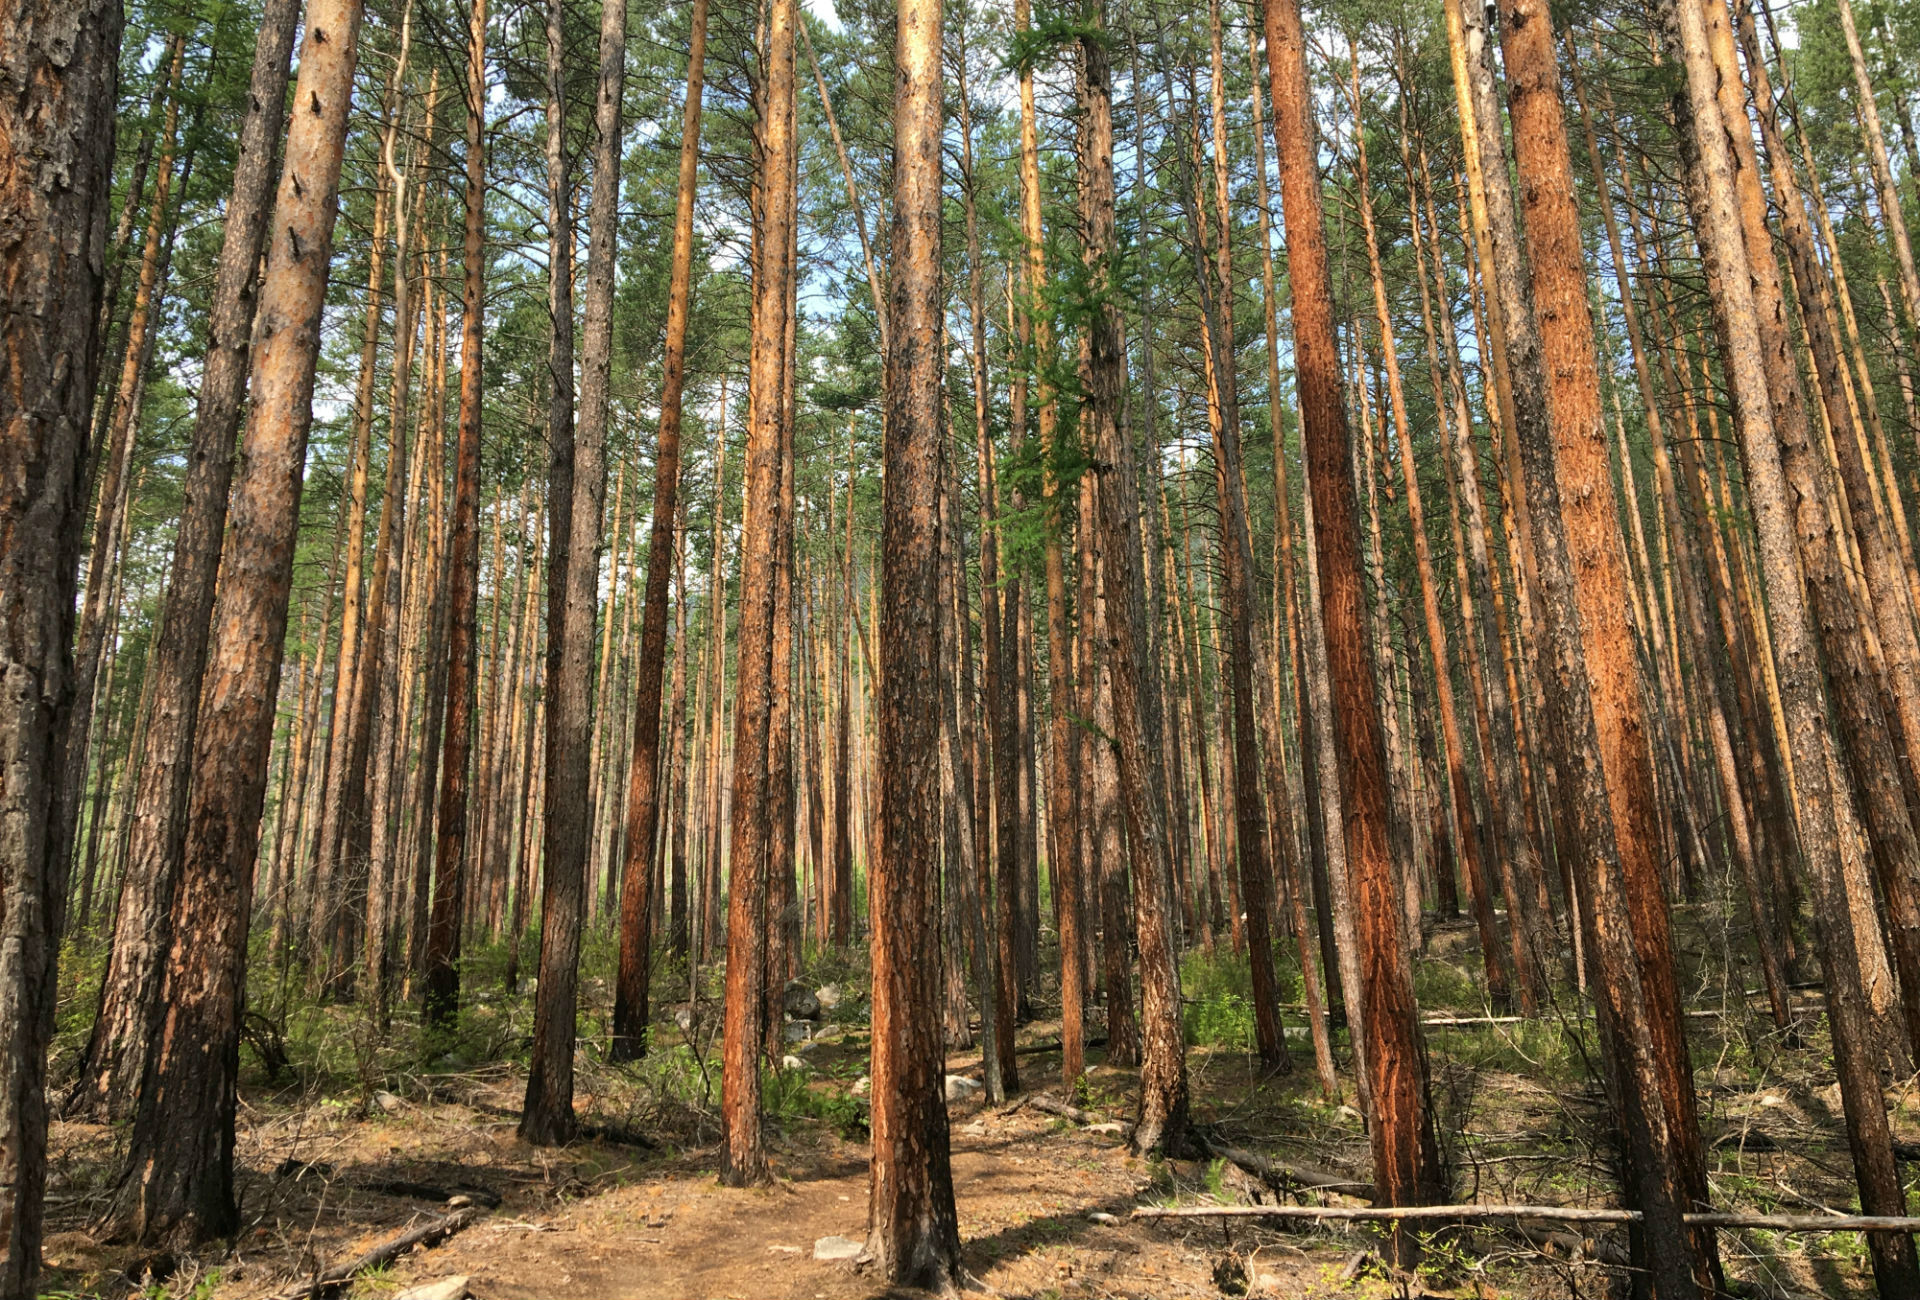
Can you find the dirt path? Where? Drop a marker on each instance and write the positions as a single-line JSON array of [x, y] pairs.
[[1026, 1188]]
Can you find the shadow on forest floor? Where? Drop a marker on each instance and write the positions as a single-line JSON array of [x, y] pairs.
[[371, 1136]]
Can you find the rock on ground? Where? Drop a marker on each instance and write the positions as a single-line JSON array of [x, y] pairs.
[[837, 1249], [800, 1002]]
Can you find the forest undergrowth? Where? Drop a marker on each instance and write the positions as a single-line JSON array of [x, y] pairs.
[[347, 1137]]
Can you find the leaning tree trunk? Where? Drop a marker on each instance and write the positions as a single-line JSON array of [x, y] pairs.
[[1862, 677], [111, 470], [1406, 1161], [130, 991], [183, 1134], [1796, 655]]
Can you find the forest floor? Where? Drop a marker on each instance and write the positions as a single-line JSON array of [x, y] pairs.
[[363, 1136]]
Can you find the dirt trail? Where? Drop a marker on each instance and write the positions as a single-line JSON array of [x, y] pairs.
[[1025, 1190]]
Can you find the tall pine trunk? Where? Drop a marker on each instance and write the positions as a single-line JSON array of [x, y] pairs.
[[130, 992], [442, 969], [913, 1229], [1406, 1161], [743, 1157], [637, 903], [56, 150], [181, 1156]]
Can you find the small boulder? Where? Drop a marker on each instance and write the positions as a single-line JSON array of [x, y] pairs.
[[960, 1087], [862, 1086], [387, 1101], [828, 996], [447, 1288], [792, 1063], [800, 1003], [683, 1017], [798, 1031], [838, 1250]]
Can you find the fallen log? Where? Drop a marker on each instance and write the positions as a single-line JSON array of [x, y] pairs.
[[430, 1233], [1536, 1214], [1040, 1101], [1053, 1045], [618, 1135], [1574, 1245], [1287, 1177]]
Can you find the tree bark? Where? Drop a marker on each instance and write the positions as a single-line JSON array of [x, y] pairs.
[[643, 792], [114, 469], [181, 1156], [1406, 1161], [1717, 221], [914, 1232], [743, 1157], [60, 69], [1063, 820], [130, 991], [547, 1118], [442, 973]]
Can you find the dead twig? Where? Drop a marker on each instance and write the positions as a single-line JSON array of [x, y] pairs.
[[430, 1233]]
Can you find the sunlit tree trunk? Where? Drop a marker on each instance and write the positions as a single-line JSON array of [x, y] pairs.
[[1717, 221], [643, 792], [1406, 1161], [913, 1230], [182, 1150], [130, 990], [442, 970], [743, 1156]]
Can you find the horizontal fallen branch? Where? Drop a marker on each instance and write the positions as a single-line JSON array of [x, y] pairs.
[[1053, 1045], [1280, 1176], [1536, 1214], [1053, 1106], [430, 1233], [1445, 1021], [413, 1191], [618, 1135]]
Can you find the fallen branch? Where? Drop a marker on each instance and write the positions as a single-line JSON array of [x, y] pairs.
[[1445, 1021], [430, 1233], [1285, 1177], [1053, 1045], [1042, 1102], [618, 1135], [412, 1191], [1575, 1245], [1537, 1214]]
